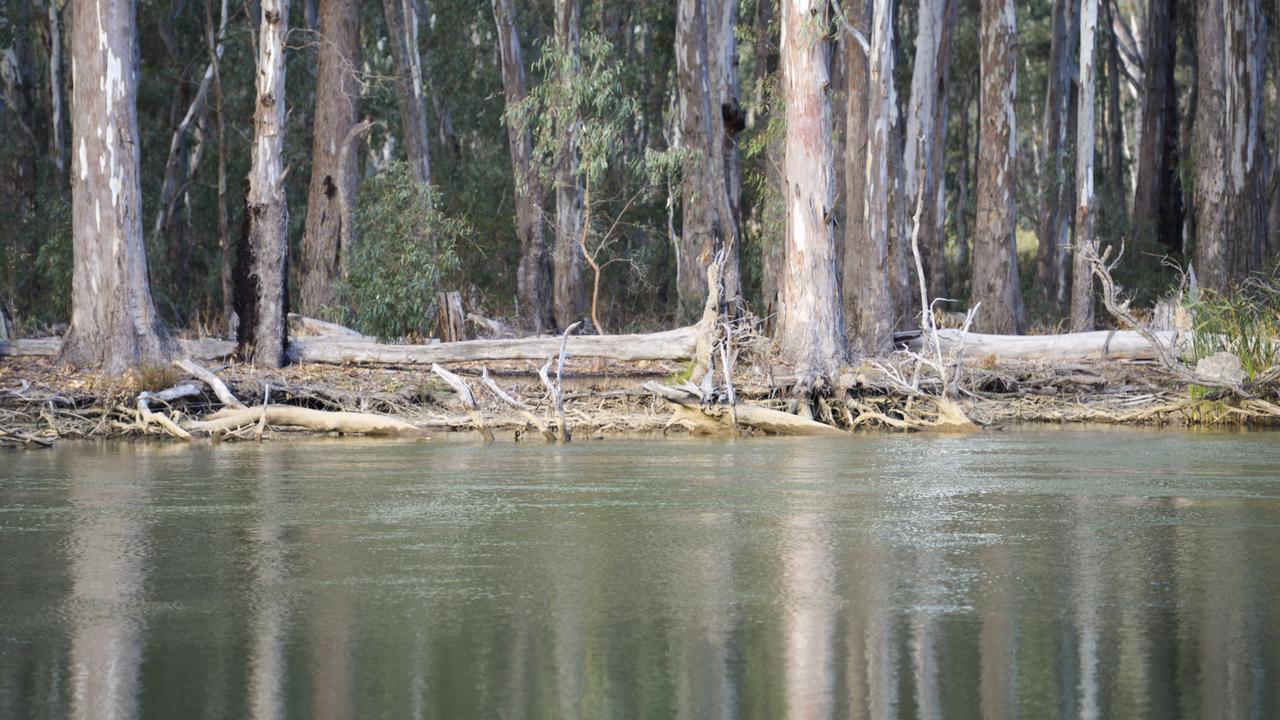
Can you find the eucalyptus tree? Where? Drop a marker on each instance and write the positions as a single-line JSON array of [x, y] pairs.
[[1054, 228], [811, 323], [261, 283], [995, 258], [403, 30], [114, 324], [1081, 274], [334, 178], [1157, 202], [1229, 155], [568, 289]]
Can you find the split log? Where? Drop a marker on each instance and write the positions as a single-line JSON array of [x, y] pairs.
[[1118, 345], [669, 345], [451, 321], [770, 421], [315, 420]]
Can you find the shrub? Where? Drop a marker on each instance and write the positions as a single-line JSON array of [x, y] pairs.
[[406, 249]]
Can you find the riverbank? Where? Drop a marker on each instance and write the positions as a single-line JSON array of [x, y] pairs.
[[41, 402]]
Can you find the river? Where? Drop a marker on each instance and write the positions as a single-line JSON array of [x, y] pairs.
[[1033, 573]]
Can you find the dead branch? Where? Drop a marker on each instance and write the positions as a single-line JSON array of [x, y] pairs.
[[523, 409], [213, 381], [468, 399], [765, 419]]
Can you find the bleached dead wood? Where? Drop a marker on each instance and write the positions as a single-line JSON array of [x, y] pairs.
[[516, 403], [303, 325], [213, 381], [468, 399], [1123, 345], [315, 420], [770, 421]]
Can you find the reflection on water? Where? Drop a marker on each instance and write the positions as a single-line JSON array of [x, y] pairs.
[[1029, 574]]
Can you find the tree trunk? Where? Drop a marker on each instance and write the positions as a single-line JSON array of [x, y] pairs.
[[568, 286], [854, 269], [1055, 191], [261, 290], [962, 192], [927, 134], [1081, 275], [336, 111], [57, 115], [867, 261], [709, 122], [1230, 219], [811, 326], [114, 324], [1115, 126], [402, 27], [995, 258], [1157, 203], [533, 276]]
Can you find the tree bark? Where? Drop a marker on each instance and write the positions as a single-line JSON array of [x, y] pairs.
[[533, 276], [57, 114], [709, 122], [402, 27], [1157, 203], [995, 258], [811, 325], [114, 324], [262, 292], [927, 134], [568, 286], [867, 260], [1055, 192], [1230, 219], [1081, 274], [336, 111], [856, 269]]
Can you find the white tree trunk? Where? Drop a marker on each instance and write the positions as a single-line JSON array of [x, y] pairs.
[[811, 323], [263, 295], [113, 320], [1081, 277], [568, 284], [402, 26]]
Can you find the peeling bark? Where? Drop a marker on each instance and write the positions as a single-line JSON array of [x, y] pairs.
[[336, 111], [1230, 215], [402, 27], [262, 293], [1081, 274], [995, 258], [533, 276], [811, 324], [568, 284], [114, 324], [1055, 191]]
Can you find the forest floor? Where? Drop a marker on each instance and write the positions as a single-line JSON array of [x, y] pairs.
[[41, 402]]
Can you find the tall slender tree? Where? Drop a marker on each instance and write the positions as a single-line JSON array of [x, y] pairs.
[[403, 25], [867, 273], [706, 83], [1157, 203], [1081, 275], [1229, 162], [114, 324], [1055, 186], [995, 258], [336, 111], [533, 276], [858, 289], [261, 288], [811, 325], [569, 287]]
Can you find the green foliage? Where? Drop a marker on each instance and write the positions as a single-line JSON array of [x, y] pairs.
[[36, 260], [406, 250]]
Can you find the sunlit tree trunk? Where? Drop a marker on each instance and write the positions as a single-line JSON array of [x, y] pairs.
[[995, 259], [569, 287], [261, 289], [1230, 216], [1081, 277], [1157, 203], [533, 276], [926, 134], [867, 249], [114, 323], [1055, 191], [402, 27], [709, 121], [337, 109], [811, 325]]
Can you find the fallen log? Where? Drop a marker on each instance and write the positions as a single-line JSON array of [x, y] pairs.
[[303, 325], [1097, 345], [669, 345], [770, 421], [307, 418], [200, 349]]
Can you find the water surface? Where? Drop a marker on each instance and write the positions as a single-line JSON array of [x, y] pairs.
[[1061, 573]]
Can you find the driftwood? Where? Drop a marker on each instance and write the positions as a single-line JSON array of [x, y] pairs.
[[213, 381], [1101, 344], [468, 399], [770, 421], [516, 403], [147, 416], [316, 420], [557, 389]]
